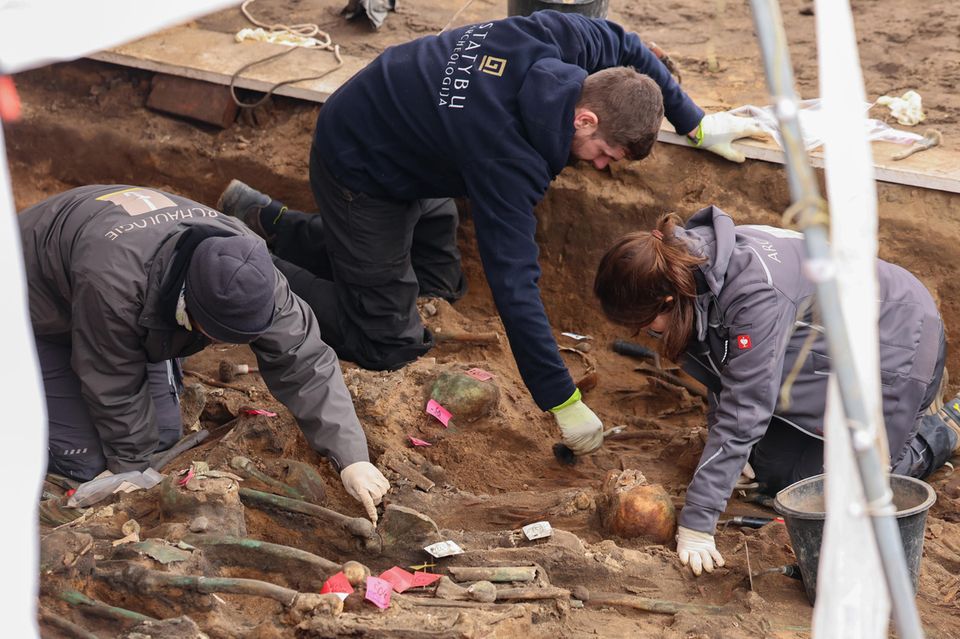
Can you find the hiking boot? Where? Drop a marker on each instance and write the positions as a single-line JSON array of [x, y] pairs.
[[950, 413], [245, 203]]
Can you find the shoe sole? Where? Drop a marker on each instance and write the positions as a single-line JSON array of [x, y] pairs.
[[221, 201]]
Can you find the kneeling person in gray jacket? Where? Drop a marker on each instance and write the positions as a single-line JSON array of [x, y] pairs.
[[123, 281], [733, 304]]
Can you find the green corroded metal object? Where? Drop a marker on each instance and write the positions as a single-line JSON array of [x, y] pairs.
[[304, 478], [75, 598], [161, 550], [55, 512], [467, 398], [401, 526], [304, 570]]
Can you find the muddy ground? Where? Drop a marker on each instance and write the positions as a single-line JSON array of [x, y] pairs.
[[86, 123]]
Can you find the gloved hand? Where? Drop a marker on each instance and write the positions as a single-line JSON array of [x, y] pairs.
[[365, 483], [747, 478], [698, 549], [580, 429], [718, 130]]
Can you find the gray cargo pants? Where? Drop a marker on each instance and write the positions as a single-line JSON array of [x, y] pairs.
[[73, 448], [786, 455]]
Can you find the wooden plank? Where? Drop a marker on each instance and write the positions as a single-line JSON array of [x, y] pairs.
[[214, 57], [195, 99]]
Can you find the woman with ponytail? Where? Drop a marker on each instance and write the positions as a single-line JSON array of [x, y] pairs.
[[731, 304]]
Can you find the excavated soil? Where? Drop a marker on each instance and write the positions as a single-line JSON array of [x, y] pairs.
[[86, 122]]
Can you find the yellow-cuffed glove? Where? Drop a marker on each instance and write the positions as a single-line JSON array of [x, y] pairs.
[[580, 428], [717, 131]]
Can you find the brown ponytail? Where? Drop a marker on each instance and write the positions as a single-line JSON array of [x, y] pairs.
[[638, 274]]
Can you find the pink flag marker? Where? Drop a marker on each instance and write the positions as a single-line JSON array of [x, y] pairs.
[[421, 579], [434, 408], [259, 411], [479, 373], [418, 442], [183, 481], [378, 592], [338, 585], [399, 578]]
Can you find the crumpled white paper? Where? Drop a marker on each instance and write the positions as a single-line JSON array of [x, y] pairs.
[[907, 109], [277, 37], [812, 125]]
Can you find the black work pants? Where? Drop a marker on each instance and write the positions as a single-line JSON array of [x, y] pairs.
[[787, 454], [73, 443], [361, 263]]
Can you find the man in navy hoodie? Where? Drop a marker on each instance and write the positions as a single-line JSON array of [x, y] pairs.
[[492, 112]]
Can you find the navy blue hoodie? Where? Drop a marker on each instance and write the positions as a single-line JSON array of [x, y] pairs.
[[486, 111]]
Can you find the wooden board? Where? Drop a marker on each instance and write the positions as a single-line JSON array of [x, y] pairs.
[[196, 99], [214, 56]]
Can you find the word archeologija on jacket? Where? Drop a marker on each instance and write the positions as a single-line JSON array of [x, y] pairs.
[[458, 71]]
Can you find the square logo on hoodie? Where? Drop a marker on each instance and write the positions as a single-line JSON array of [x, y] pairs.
[[137, 201], [492, 65]]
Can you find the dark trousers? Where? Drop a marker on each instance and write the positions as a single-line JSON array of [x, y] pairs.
[[73, 448], [786, 454], [361, 263]]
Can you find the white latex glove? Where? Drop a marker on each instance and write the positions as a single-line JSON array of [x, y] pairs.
[[747, 477], [718, 130], [365, 483], [697, 549], [580, 429]]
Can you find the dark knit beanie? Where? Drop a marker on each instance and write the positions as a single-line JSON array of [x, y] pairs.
[[230, 288]]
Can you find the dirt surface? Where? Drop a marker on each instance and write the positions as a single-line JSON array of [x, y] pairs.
[[903, 46], [86, 123]]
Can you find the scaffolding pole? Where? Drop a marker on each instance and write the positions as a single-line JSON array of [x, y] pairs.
[[809, 211]]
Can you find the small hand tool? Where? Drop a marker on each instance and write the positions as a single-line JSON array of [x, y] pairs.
[[750, 522], [567, 457]]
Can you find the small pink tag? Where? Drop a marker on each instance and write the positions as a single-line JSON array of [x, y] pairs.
[[421, 579], [378, 591], [399, 578], [259, 411], [338, 585], [479, 373], [434, 408], [183, 481], [418, 442]]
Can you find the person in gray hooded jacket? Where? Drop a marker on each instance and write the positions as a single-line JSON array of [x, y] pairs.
[[732, 303], [123, 280]]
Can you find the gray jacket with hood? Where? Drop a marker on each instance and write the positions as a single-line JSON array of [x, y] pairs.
[[96, 257], [752, 317]]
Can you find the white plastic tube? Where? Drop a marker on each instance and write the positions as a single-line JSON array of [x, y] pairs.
[[23, 439], [33, 34], [852, 600]]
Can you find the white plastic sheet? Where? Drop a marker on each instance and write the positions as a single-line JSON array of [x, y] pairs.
[[816, 122], [37, 32], [101, 487]]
